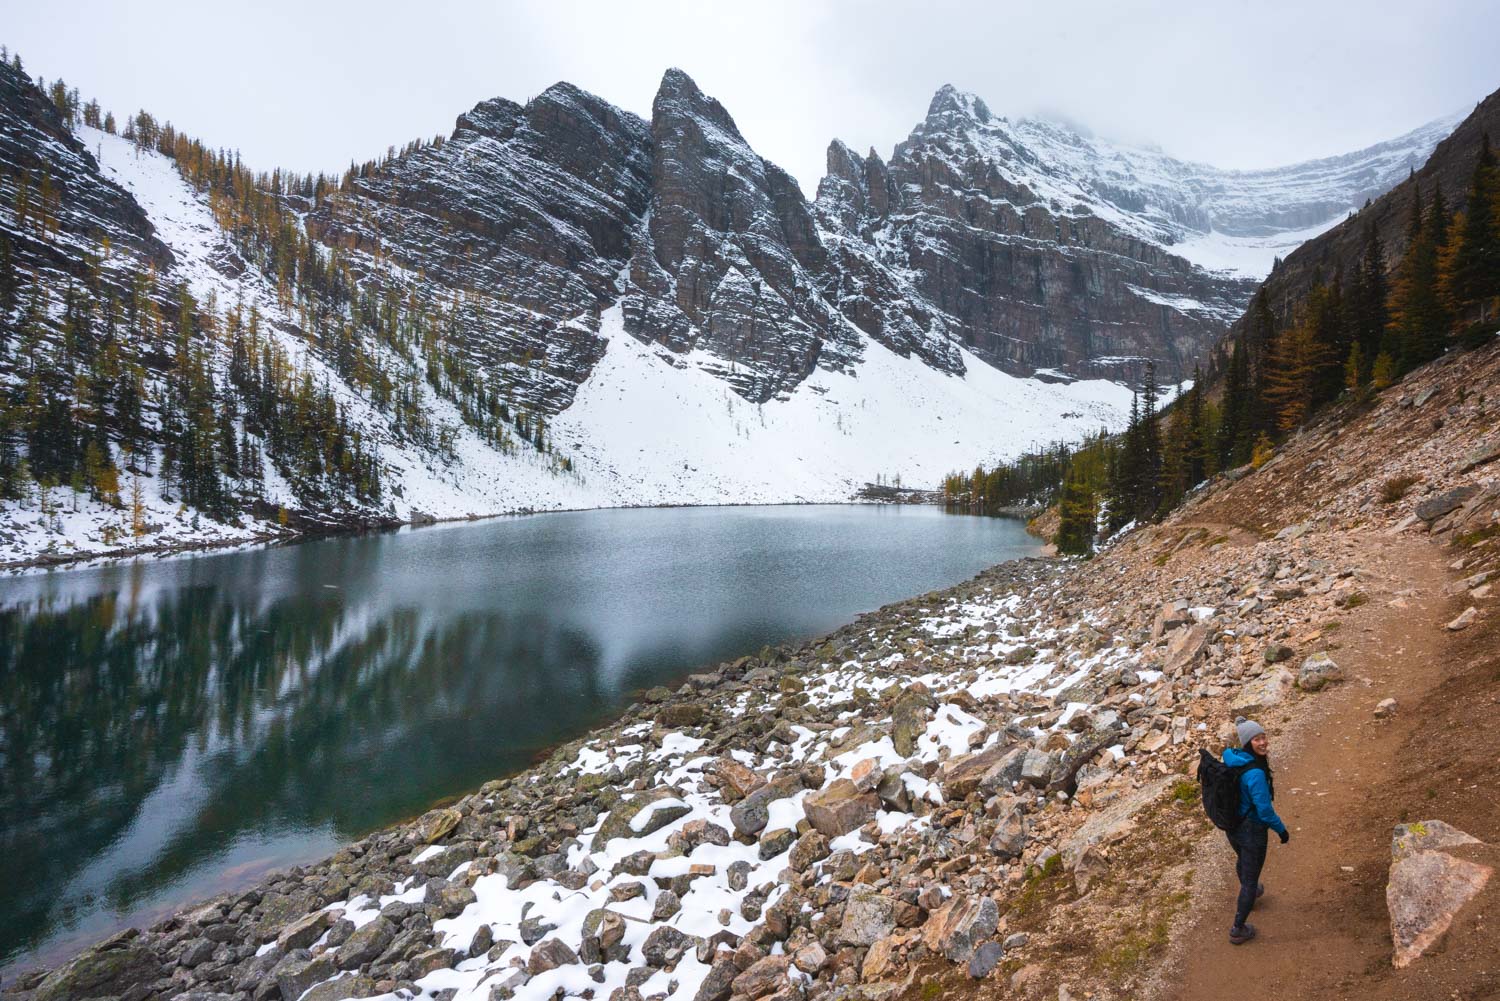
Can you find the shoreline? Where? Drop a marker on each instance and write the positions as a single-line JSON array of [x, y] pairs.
[[47, 563]]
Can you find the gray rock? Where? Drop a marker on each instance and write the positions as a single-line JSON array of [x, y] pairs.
[[305, 930], [448, 899], [1482, 454], [505, 986], [113, 967], [366, 943], [342, 989], [985, 959], [1036, 767], [751, 814], [479, 944], [1317, 672], [196, 953], [1009, 839], [868, 917], [718, 985], [773, 843], [666, 905], [295, 976], [665, 946], [1435, 507], [535, 928]]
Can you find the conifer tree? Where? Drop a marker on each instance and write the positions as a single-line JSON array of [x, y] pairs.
[[1473, 274]]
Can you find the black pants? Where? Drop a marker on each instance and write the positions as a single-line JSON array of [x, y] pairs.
[[1249, 842]]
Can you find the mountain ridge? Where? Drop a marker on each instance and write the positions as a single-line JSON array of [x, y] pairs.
[[455, 301]]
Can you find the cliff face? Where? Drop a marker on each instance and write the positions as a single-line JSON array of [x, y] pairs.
[[526, 214], [70, 206], [1042, 248], [1026, 243]]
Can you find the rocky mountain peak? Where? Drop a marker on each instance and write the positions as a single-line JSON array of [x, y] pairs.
[[950, 103], [679, 101]]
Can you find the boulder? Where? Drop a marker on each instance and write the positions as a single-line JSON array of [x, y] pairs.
[[840, 808], [765, 976], [1268, 690], [295, 976], [909, 720], [305, 930], [434, 825], [879, 960], [629, 818], [695, 833], [429, 960], [1435, 507], [960, 925], [960, 777], [1186, 648], [985, 959], [1464, 620], [1036, 767], [773, 843], [1113, 823], [1317, 672], [549, 954], [342, 989], [718, 984], [1009, 839], [447, 899], [868, 917], [812, 847], [112, 967], [735, 780], [367, 942], [1073, 757], [751, 814], [1482, 454], [665, 946], [1173, 615], [1428, 885]]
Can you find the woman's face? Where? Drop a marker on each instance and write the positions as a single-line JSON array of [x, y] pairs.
[[1259, 744]]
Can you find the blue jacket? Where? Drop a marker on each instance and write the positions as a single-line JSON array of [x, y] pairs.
[[1255, 791]]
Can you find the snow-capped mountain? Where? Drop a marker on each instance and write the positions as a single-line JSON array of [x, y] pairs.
[[1043, 248], [564, 305]]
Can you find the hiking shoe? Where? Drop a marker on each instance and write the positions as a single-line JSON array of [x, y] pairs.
[[1241, 934], [1260, 890]]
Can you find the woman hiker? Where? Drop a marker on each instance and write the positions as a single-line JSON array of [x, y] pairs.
[[1257, 816]]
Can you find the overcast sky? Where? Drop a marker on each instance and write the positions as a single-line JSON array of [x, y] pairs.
[[1237, 83]]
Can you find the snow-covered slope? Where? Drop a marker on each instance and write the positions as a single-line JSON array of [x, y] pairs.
[[1234, 220], [658, 428]]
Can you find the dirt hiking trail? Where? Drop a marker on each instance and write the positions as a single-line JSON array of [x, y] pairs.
[[1344, 779]]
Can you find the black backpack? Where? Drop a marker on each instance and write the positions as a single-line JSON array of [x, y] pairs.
[[1221, 790]]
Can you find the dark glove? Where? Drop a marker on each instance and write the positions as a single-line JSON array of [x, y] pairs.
[[1285, 837]]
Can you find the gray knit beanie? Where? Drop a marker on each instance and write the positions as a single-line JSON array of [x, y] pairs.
[[1247, 730]]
